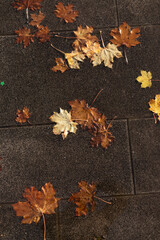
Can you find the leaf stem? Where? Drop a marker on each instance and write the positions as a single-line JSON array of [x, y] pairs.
[[64, 37], [102, 200], [109, 125], [44, 223], [57, 49], [96, 97], [155, 119], [125, 53], [102, 38], [27, 15]]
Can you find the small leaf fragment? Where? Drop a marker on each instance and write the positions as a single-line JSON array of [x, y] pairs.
[[145, 79], [84, 197], [64, 123], [61, 66], [25, 36], [23, 115], [38, 203], [66, 12]]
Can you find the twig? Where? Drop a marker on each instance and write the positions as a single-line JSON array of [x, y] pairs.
[[44, 223], [102, 200], [125, 53], [27, 15], [102, 39], [57, 49], [96, 97]]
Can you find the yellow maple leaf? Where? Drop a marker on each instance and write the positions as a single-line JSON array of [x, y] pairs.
[[73, 59], [145, 79], [155, 106]]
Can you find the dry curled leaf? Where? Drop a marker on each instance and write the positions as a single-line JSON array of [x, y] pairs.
[[61, 66], [83, 114], [23, 115], [125, 36], [25, 36], [83, 198], [145, 79], [106, 55], [83, 36], [30, 4], [155, 106], [37, 204], [36, 19], [66, 12], [73, 59], [43, 33], [64, 123]]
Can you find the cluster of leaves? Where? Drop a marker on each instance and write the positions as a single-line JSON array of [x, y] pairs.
[[85, 45], [146, 81], [44, 202]]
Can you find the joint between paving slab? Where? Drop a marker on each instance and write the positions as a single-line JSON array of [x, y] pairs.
[[131, 159]]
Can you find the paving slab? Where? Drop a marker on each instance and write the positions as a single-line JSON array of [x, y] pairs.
[[27, 77], [145, 153], [92, 13], [139, 11], [128, 218], [33, 156], [12, 229]]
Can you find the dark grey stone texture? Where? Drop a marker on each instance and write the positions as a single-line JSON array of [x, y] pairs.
[[92, 13], [12, 229], [139, 11], [128, 218], [28, 78], [33, 156], [145, 153]]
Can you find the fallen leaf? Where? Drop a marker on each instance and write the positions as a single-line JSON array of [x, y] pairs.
[[91, 48], [83, 36], [43, 34], [36, 19], [155, 106], [66, 12], [84, 197], [25, 36], [64, 123], [30, 4], [37, 204], [73, 59], [61, 66], [125, 36], [23, 115], [107, 55], [145, 79], [83, 114]]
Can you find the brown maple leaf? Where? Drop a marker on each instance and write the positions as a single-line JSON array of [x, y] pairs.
[[38, 203], [83, 36], [37, 19], [23, 115], [43, 33], [30, 4], [83, 114], [66, 12], [84, 197], [61, 66], [25, 36], [125, 36]]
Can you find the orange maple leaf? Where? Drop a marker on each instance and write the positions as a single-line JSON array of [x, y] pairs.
[[23, 4], [25, 36], [23, 115], [43, 33], [83, 114], [125, 36], [61, 66], [83, 37], [38, 203], [84, 197], [66, 12], [37, 19]]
